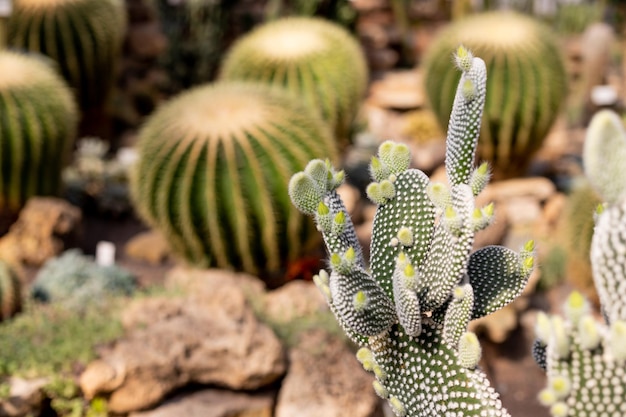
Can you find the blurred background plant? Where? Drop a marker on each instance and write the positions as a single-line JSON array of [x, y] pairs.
[[77, 281], [97, 182]]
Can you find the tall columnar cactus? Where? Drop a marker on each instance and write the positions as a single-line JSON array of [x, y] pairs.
[[410, 309], [38, 120], [585, 359], [84, 37], [10, 291], [213, 172], [316, 59], [526, 85]]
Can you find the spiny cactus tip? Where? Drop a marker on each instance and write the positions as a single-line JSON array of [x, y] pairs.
[[350, 254], [463, 58], [469, 350], [387, 190], [405, 236], [374, 194], [543, 328], [360, 301], [576, 306], [380, 389], [468, 90], [397, 407], [458, 293], [304, 193], [559, 409], [546, 397], [617, 340], [322, 209], [561, 386], [588, 333], [560, 337]]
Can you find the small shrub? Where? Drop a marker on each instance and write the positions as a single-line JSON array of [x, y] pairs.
[[49, 339]]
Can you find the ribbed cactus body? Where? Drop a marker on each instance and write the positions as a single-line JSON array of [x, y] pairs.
[[84, 37], [525, 89], [213, 172], [315, 59], [10, 292], [37, 127]]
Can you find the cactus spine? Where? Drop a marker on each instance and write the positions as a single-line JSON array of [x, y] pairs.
[[316, 59], [584, 359], [525, 88], [84, 37], [213, 173], [37, 127], [10, 291], [410, 309]]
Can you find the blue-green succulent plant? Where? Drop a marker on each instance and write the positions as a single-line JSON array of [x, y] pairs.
[[585, 358], [409, 307], [76, 281]]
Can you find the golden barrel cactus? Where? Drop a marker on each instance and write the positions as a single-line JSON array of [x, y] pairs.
[[84, 37], [38, 121], [319, 61], [526, 84], [214, 165]]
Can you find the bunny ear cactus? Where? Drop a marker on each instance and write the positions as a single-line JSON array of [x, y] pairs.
[[584, 359], [38, 119], [410, 309], [316, 59], [212, 175], [84, 37], [526, 85]]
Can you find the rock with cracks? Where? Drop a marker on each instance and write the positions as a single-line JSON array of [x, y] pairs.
[[208, 337]]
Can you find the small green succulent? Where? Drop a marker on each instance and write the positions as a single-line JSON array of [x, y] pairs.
[[76, 280]]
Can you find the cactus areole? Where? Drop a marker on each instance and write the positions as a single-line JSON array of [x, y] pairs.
[[409, 309]]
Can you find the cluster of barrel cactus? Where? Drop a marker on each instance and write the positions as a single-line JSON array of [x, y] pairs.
[[318, 60], [84, 37], [38, 121], [584, 358], [410, 308], [526, 85], [213, 169]]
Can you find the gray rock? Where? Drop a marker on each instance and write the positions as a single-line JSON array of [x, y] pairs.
[[214, 403]]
